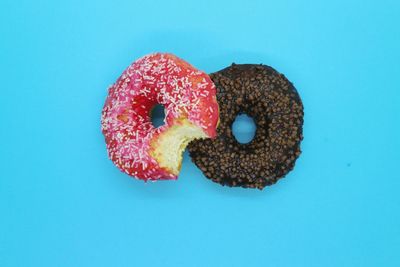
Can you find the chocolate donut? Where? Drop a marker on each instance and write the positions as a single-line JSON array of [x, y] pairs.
[[272, 101]]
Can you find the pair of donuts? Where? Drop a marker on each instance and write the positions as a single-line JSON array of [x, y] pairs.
[[200, 110]]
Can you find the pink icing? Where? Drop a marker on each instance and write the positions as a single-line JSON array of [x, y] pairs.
[[126, 124]]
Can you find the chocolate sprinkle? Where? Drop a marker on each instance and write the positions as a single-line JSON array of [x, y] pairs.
[[272, 101]]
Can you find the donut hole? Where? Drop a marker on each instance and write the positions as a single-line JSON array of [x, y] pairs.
[[157, 115], [244, 128]]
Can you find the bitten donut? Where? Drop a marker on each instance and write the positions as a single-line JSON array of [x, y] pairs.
[[191, 111], [271, 100]]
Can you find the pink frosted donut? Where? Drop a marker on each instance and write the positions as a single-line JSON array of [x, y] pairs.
[[191, 111]]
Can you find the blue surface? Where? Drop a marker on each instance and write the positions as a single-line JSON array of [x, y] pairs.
[[244, 128], [63, 203]]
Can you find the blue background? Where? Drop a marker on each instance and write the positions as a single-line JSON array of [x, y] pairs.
[[63, 203]]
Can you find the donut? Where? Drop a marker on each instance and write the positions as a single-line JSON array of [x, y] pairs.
[[191, 111], [272, 101]]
